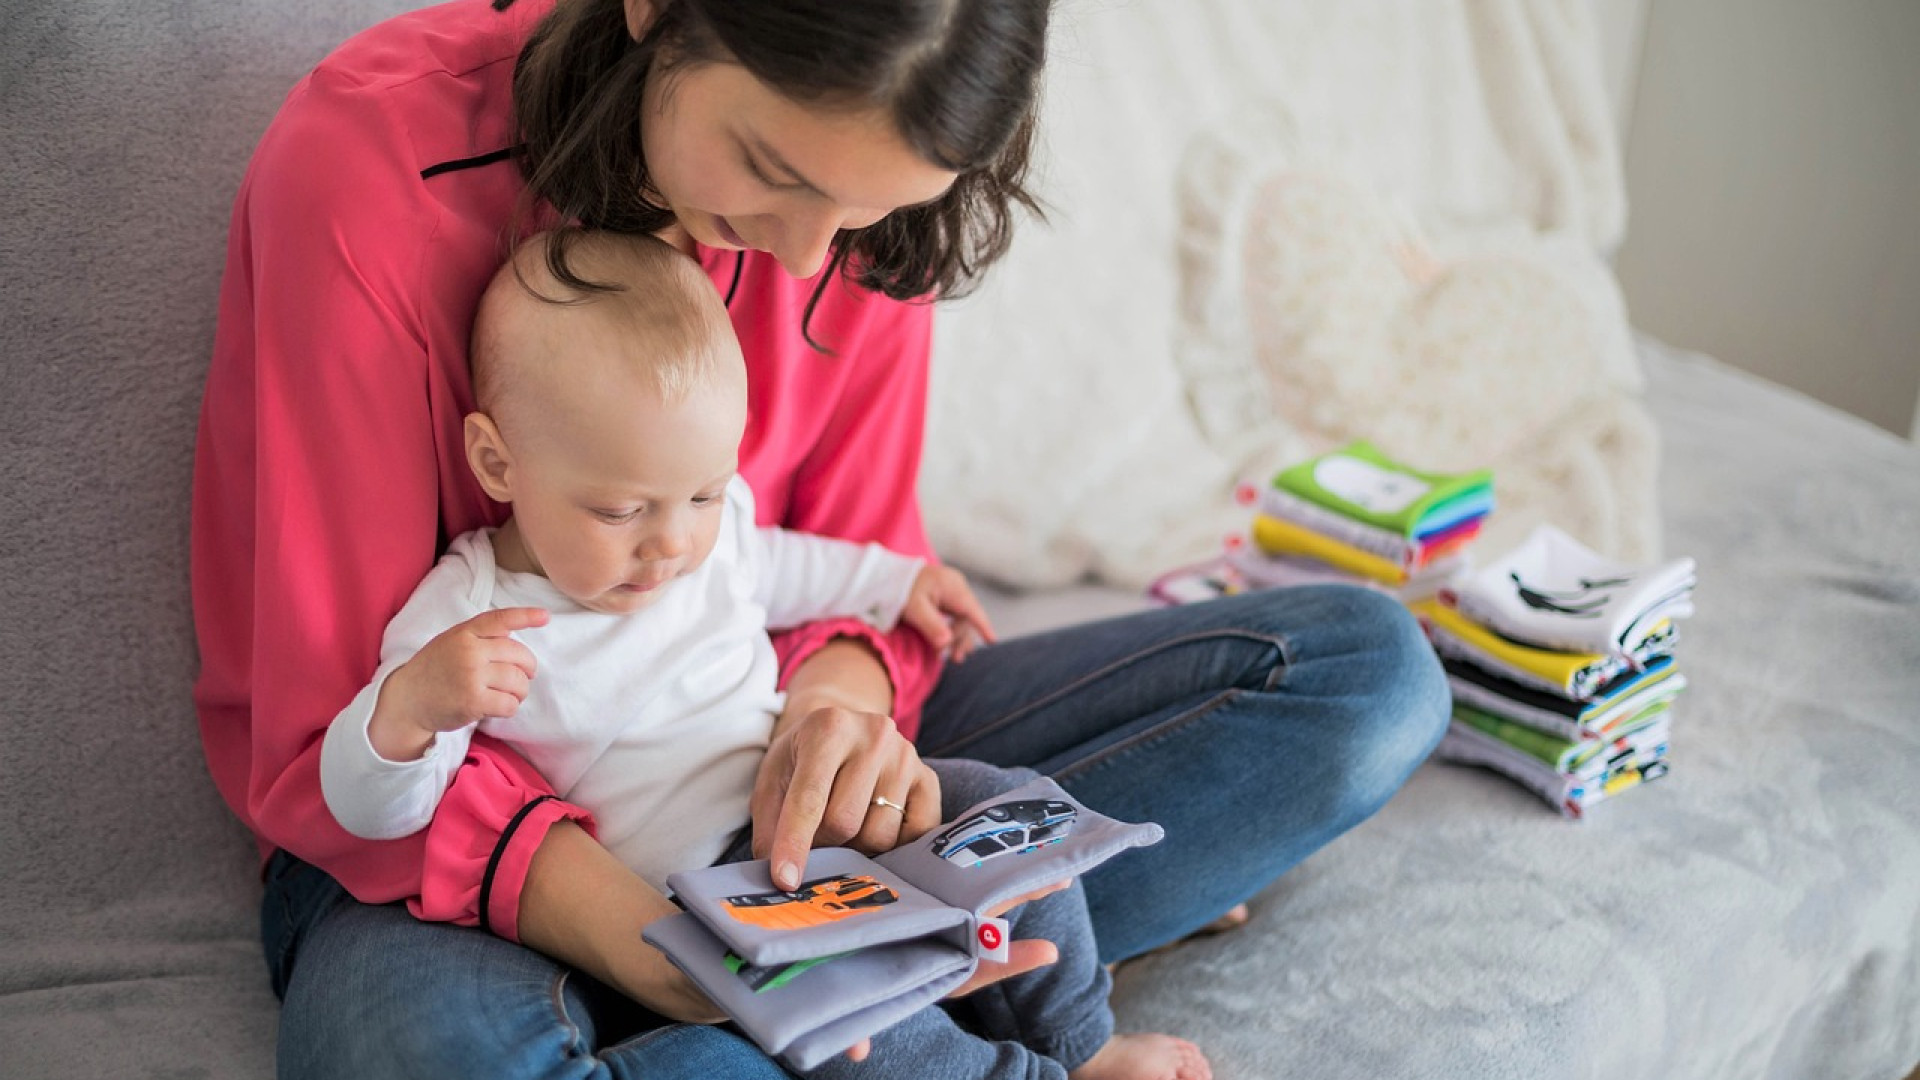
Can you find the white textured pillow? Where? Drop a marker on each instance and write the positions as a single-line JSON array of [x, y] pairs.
[[1065, 436], [1317, 312]]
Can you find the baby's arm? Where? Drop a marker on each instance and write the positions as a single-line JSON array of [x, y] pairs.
[[389, 756], [467, 673], [803, 577]]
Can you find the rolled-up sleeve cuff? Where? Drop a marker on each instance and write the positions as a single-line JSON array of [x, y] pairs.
[[481, 845], [911, 662]]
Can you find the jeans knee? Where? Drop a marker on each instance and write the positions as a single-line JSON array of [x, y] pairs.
[[1406, 713], [1393, 690]]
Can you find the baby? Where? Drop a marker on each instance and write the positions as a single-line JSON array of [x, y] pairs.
[[614, 630]]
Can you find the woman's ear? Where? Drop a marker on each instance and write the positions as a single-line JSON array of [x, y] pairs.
[[488, 458], [640, 16]]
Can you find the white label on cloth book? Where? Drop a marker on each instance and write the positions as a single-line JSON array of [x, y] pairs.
[[990, 939]]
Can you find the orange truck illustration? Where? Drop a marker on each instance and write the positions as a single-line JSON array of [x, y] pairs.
[[815, 903]]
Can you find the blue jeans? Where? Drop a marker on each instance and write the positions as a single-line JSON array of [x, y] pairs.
[[377, 993], [1253, 729]]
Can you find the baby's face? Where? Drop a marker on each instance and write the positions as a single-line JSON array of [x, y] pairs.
[[618, 498]]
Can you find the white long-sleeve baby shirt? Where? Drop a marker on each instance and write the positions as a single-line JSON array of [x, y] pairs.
[[654, 722]]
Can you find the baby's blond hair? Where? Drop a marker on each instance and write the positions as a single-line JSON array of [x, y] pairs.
[[660, 307]]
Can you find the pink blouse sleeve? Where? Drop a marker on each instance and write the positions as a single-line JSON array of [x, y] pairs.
[[317, 498], [858, 482]]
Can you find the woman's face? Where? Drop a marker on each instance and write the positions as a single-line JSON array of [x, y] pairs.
[[741, 166]]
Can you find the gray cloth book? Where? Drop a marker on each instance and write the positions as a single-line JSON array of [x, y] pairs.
[[866, 942]]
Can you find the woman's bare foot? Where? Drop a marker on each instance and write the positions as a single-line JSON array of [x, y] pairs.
[[1145, 1057], [1235, 918]]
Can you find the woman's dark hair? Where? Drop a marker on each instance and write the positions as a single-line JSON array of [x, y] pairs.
[[959, 77]]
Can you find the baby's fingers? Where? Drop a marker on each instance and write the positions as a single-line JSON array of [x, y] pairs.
[[971, 626], [959, 602], [507, 652], [499, 703], [500, 622], [964, 642], [509, 679], [923, 614]]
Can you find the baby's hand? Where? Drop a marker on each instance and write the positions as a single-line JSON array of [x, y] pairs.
[[943, 608], [469, 672]]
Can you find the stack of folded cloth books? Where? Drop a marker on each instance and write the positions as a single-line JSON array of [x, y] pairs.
[[1353, 515], [1359, 513], [1561, 663]]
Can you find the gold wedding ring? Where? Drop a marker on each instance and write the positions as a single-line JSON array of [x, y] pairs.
[[882, 800]]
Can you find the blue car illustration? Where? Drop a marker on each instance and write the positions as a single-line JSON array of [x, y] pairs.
[[1005, 828]]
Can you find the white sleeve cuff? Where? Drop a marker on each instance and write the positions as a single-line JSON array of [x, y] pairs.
[[374, 798], [904, 571]]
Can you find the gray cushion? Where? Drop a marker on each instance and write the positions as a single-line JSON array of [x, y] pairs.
[[128, 913]]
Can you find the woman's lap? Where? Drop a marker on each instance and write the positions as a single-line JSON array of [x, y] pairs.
[[1253, 729], [377, 993]]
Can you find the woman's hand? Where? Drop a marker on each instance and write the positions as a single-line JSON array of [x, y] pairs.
[[1022, 957], [838, 772]]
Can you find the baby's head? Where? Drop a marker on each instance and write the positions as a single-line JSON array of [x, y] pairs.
[[611, 421]]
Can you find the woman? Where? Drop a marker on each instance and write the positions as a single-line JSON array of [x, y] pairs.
[[827, 162]]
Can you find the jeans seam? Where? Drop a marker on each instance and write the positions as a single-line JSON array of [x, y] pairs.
[[1153, 734], [557, 996], [1279, 672], [641, 1038], [1279, 643]]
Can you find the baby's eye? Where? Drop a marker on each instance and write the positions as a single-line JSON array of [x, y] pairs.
[[615, 517], [706, 500]]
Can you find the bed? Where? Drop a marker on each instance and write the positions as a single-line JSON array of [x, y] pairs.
[[1753, 914]]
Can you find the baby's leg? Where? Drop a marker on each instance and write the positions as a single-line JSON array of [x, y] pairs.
[[1060, 1011], [931, 1045]]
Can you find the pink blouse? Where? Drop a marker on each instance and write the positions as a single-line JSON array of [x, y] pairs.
[[330, 473]]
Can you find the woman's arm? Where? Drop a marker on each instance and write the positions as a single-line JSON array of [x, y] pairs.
[[834, 749], [327, 466], [582, 906]]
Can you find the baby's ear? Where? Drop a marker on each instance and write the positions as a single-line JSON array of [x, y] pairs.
[[640, 17], [488, 458]]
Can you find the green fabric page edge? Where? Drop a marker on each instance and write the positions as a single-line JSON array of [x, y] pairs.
[[1442, 487]]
